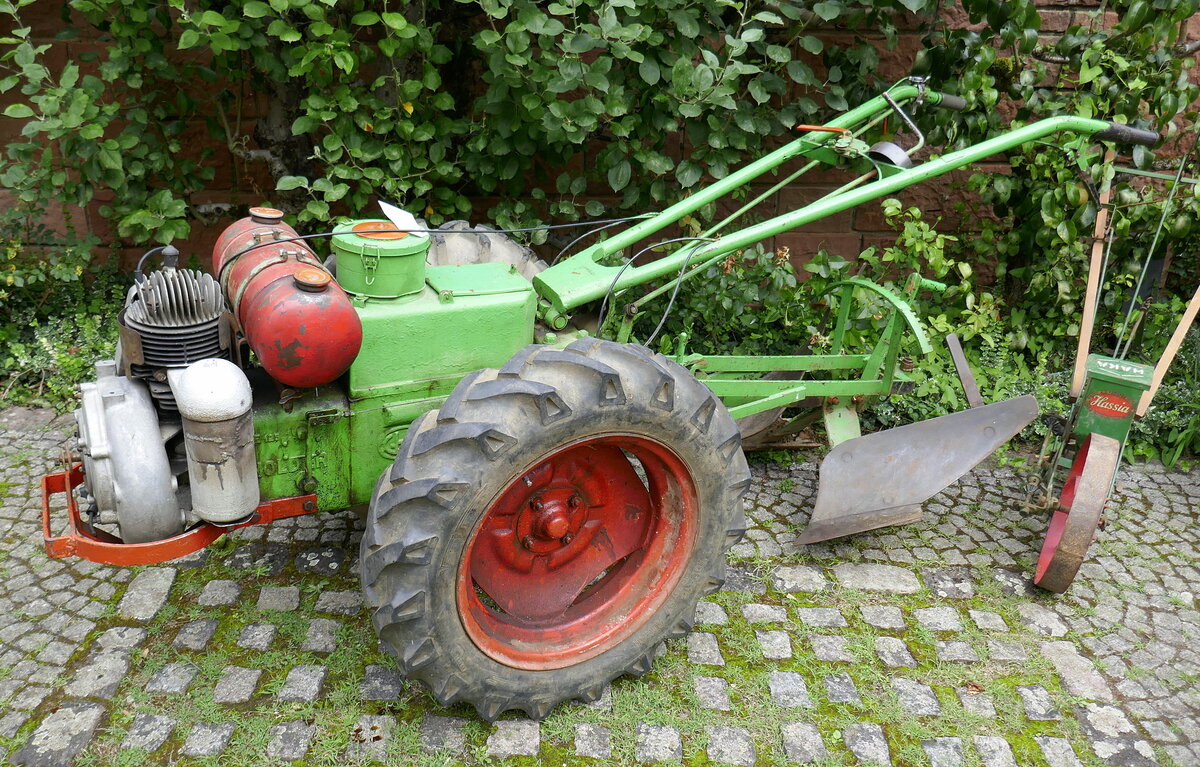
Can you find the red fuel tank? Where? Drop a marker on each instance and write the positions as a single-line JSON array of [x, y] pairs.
[[295, 317]]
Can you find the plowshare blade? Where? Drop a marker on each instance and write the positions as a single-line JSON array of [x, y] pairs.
[[883, 478]]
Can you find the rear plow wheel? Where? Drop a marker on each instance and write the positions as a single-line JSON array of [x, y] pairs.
[[1081, 505], [545, 530]]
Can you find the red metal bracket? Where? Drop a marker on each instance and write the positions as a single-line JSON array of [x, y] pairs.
[[98, 546]]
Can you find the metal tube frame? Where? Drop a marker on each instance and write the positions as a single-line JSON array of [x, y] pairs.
[[582, 278]]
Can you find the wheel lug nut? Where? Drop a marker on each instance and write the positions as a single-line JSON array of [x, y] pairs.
[[527, 542], [566, 539], [575, 501], [536, 505]]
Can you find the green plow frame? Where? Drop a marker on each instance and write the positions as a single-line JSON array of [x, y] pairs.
[[866, 481], [738, 379]]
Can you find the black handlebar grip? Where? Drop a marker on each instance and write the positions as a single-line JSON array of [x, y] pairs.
[[1125, 134], [957, 103]]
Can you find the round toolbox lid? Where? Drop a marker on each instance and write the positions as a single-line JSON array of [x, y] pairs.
[[378, 238]]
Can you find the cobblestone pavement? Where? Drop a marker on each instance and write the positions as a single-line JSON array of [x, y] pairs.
[[923, 645]]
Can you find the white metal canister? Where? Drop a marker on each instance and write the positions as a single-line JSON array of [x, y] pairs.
[[214, 398]]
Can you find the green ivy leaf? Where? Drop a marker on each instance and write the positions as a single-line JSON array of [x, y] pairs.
[[779, 53], [288, 183], [365, 18], [688, 173], [109, 158], [619, 175], [685, 24], [18, 111], [649, 71], [256, 9], [827, 11], [188, 38], [394, 20]]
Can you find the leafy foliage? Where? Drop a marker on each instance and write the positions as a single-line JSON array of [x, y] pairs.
[[428, 103], [49, 345], [753, 302], [1131, 73]]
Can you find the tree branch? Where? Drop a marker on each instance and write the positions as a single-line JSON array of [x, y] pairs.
[[1051, 58]]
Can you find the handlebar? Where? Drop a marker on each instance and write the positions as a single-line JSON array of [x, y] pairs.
[[1126, 134], [1116, 132], [946, 101]]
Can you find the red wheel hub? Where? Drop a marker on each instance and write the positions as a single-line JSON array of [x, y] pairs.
[[577, 552]]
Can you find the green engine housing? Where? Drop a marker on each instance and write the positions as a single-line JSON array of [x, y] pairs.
[[336, 440]]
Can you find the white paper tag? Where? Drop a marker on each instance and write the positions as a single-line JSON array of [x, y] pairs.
[[404, 221]]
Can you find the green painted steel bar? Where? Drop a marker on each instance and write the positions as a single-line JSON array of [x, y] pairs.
[[580, 279], [898, 304], [747, 387], [883, 359], [694, 270], [843, 319], [764, 196], [777, 186], [583, 266], [750, 364], [744, 175], [1152, 174], [783, 399]]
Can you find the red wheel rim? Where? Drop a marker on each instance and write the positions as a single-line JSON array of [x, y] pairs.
[[577, 552], [1058, 522]]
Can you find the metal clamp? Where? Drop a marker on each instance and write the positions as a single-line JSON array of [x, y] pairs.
[[921, 83], [370, 262]]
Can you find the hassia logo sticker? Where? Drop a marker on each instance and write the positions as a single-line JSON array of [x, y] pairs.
[[1109, 404]]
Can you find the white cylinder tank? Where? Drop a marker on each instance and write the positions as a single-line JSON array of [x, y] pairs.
[[214, 398]]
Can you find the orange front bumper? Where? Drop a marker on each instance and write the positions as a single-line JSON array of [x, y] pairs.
[[82, 540]]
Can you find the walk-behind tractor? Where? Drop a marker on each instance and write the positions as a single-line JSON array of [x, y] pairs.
[[545, 507]]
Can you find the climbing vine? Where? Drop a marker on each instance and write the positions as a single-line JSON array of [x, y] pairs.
[[545, 106]]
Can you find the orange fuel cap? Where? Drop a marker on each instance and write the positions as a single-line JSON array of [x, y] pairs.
[[312, 279], [263, 215], [378, 230]]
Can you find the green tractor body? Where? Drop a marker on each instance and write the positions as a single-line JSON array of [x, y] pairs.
[[336, 440], [544, 507]]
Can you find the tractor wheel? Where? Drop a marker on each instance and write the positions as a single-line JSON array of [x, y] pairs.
[[551, 524], [1073, 524]]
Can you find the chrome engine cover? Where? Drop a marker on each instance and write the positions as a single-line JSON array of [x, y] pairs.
[[125, 458]]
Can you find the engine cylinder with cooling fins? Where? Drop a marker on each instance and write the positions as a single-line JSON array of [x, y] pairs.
[[172, 318]]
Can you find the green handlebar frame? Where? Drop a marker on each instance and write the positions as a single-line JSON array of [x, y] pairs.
[[580, 279]]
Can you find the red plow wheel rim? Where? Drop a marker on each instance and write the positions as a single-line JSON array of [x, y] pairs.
[[577, 552], [1081, 504]]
